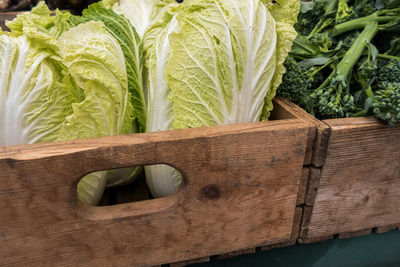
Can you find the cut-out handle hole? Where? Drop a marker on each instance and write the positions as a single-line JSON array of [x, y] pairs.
[[102, 191]]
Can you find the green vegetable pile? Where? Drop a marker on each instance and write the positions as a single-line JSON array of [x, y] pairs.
[[345, 61], [132, 66]]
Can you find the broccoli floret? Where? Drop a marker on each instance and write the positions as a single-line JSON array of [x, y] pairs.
[[310, 14], [386, 104], [344, 12], [297, 83], [389, 71], [382, 89], [364, 7]]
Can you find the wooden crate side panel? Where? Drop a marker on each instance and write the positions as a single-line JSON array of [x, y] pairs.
[[240, 190], [359, 186]]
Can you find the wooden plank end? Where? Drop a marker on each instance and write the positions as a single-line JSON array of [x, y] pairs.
[[354, 234], [187, 262], [314, 240], [236, 253], [312, 188], [305, 222], [385, 229], [301, 195], [279, 245], [297, 223]]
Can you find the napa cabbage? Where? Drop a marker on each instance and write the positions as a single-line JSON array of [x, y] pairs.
[[215, 62], [65, 78], [141, 13]]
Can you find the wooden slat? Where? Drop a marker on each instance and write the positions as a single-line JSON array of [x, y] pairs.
[[359, 187], [312, 187], [240, 190]]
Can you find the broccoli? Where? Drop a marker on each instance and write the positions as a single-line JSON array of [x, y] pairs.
[[336, 70], [298, 82], [364, 7], [386, 104], [333, 95], [386, 99], [390, 70], [388, 19], [344, 12], [310, 14]]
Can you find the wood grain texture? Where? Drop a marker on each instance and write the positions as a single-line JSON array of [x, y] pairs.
[[240, 189], [312, 186], [318, 134], [295, 232], [359, 186]]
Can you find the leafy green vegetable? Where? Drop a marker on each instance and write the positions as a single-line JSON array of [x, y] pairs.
[[162, 180], [336, 69], [62, 82], [130, 43], [141, 13], [35, 87], [126, 37], [96, 61], [224, 66]]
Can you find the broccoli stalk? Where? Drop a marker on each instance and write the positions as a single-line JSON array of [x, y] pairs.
[[389, 16], [326, 20], [333, 95]]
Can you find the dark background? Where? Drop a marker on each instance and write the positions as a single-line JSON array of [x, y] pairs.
[[380, 250]]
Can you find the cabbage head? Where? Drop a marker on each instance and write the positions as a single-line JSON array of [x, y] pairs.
[[222, 63]]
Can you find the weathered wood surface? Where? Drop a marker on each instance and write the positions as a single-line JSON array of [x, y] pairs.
[[295, 232], [359, 187], [292, 241], [239, 191], [312, 186]]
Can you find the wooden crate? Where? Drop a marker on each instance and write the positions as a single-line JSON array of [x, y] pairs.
[[240, 191], [354, 182]]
